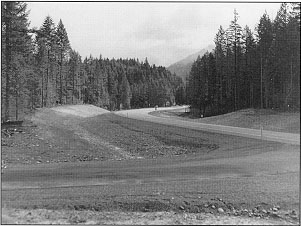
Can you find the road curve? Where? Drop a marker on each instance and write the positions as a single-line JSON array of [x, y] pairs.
[[143, 114]]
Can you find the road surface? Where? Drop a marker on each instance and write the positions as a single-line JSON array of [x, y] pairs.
[[143, 114], [238, 175]]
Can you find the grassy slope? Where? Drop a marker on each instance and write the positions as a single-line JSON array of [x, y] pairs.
[[247, 118]]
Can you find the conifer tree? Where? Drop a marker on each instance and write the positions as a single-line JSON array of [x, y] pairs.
[[234, 33], [63, 46], [73, 76], [46, 57], [250, 69], [125, 93], [16, 47], [220, 59], [265, 38]]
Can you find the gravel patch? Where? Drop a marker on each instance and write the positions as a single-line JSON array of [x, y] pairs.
[[43, 216]]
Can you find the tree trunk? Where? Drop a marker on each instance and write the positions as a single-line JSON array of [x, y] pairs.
[[7, 61], [261, 85], [61, 83], [235, 76], [66, 96], [266, 96], [16, 98], [56, 85], [72, 88], [47, 81], [46, 88], [32, 99], [251, 95], [221, 93], [42, 91]]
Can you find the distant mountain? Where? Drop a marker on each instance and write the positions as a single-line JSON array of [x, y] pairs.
[[182, 67]]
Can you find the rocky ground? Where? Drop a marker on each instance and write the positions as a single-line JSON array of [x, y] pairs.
[[43, 216], [58, 140]]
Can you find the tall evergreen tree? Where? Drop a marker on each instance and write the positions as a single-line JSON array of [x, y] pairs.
[[73, 76], [265, 38], [250, 69], [16, 48], [220, 59], [126, 94], [63, 46], [285, 49], [46, 42], [234, 33]]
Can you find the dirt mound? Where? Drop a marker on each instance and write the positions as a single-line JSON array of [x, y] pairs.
[[80, 110]]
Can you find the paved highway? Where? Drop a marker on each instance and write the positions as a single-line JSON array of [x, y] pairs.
[[143, 114]]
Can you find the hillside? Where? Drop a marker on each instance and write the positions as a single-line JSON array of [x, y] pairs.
[[182, 67]]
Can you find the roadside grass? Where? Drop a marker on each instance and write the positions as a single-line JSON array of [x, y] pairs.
[[248, 118]]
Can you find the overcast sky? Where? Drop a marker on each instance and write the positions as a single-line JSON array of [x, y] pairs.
[[162, 32]]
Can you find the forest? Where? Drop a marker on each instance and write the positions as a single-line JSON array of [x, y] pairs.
[[40, 69], [250, 69], [247, 69]]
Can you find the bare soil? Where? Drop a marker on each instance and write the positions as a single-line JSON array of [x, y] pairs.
[[80, 110], [43, 216], [82, 168]]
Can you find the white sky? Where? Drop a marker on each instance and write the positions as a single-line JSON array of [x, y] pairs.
[[162, 32]]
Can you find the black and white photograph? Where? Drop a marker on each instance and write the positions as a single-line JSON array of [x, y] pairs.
[[150, 113]]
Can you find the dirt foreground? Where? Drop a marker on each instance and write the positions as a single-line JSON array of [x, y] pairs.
[[84, 165], [42, 216]]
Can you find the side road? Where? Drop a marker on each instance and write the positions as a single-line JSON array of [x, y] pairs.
[[143, 114]]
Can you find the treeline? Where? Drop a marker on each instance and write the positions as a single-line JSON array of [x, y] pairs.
[[40, 69], [246, 64]]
